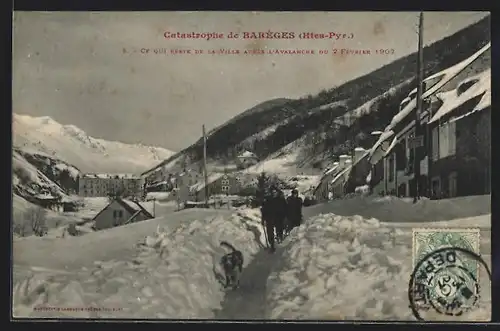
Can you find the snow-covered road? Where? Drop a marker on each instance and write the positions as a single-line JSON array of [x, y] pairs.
[[248, 302]]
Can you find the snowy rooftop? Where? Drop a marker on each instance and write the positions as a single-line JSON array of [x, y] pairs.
[[161, 183], [247, 154], [442, 77], [211, 178], [349, 166], [341, 174], [391, 146], [131, 204], [45, 196], [104, 176], [480, 84], [332, 169]]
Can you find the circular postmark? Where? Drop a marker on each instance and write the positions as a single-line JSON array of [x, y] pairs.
[[446, 280]]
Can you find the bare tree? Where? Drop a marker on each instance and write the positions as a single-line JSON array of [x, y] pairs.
[[20, 228], [20, 224], [37, 217]]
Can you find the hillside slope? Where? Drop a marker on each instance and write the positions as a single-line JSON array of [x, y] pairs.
[[321, 127], [43, 135]]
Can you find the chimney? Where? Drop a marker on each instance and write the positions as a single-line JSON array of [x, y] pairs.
[[342, 161], [358, 154]]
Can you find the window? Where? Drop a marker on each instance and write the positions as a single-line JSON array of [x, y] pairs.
[[435, 144], [436, 187], [452, 133], [225, 188], [115, 213], [400, 151], [391, 168], [452, 185], [447, 140], [120, 213]]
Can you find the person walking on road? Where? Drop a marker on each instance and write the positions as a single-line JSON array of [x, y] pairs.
[[273, 216], [280, 212], [294, 210]]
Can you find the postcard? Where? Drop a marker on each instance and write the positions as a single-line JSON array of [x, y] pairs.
[[251, 166]]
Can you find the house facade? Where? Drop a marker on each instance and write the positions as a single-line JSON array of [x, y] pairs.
[[187, 178], [460, 162], [360, 170], [120, 212], [399, 160], [337, 185], [102, 185], [394, 157], [321, 192], [224, 184], [344, 176]]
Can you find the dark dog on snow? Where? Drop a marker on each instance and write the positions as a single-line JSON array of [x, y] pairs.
[[232, 264]]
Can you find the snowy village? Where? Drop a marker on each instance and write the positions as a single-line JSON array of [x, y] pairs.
[[383, 163]]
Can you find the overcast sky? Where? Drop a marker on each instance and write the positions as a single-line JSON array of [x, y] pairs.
[[71, 66]]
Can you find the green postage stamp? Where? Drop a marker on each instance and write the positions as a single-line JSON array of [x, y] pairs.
[[427, 240], [447, 283]]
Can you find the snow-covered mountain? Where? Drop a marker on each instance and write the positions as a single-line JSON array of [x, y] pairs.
[[43, 135], [296, 137]]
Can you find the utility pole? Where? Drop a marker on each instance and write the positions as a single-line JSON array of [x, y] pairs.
[[154, 207], [418, 110], [205, 174]]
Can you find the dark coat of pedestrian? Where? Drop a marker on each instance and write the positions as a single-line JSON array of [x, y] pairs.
[[294, 209], [273, 215]]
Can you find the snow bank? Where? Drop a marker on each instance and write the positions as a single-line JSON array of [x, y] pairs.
[[173, 275], [343, 268], [159, 196], [53, 220], [335, 267], [392, 209]]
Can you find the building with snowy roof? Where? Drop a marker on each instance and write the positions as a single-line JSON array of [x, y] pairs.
[[102, 185], [217, 183], [120, 212], [393, 155], [460, 132]]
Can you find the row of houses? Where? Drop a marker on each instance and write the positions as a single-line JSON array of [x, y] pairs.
[[189, 184], [121, 211], [335, 180], [217, 184], [101, 185], [454, 154], [452, 148]]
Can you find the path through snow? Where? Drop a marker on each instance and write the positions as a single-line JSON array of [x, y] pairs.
[[249, 300]]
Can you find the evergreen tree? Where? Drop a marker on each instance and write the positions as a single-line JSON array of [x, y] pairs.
[[262, 187]]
